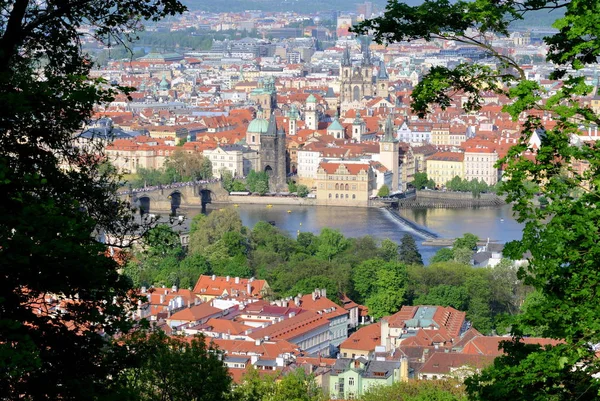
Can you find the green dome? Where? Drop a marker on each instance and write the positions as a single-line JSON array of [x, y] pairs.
[[335, 126], [258, 126], [311, 99], [164, 85]]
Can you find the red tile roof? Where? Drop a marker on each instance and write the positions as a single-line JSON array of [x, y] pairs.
[[364, 339]]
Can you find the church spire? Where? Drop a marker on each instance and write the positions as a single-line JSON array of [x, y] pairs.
[[346, 61], [382, 73], [272, 128], [364, 44], [389, 130]]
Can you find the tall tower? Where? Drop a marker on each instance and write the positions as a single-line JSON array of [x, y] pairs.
[[292, 121], [345, 77], [265, 95], [382, 82], [358, 128], [272, 155], [389, 152], [310, 114]]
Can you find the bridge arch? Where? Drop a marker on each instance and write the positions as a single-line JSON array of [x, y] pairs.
[[143, 204], [176, 198]]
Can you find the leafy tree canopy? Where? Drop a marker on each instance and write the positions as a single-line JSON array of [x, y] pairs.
[[561, 238], [57, 200], [409, 253]]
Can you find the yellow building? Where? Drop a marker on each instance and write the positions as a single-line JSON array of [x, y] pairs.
[[444, 166], [443, 135], [440, 135], [480, 164], [344, 183]]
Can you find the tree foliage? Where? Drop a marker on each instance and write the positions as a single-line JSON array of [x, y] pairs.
[[384, 191], [56, 200], [174, 368], [257, 182], [561, 238], [303, 191], [418, 390], [408, 251], [474, 186], [422, 181], [297, 385]]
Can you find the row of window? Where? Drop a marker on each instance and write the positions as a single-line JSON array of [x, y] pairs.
[[341, 196], [342, 187]]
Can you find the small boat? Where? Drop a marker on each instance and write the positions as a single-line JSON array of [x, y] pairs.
[[269, 206], [236, 205], [289, 211]]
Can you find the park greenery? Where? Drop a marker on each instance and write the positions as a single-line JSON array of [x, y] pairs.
[[561, 238], [458, 184], [383, 276], [181, 166], [474, 186], [421, 181]]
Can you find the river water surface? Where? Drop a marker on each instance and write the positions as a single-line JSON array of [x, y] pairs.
[[494, 223]]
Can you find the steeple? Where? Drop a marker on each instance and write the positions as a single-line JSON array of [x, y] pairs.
[[364, 44], [382, 73], [389, 130], [346, 61], [272, 128]]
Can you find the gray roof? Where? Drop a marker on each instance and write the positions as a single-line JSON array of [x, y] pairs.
[[266, 362], [385, 367], [105, 133], [236, 359]]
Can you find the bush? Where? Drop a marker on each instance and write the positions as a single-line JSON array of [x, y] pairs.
[[384, 191], [302, 191]]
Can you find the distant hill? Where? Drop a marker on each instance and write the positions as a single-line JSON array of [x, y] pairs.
[[538, 19], [302, 6]]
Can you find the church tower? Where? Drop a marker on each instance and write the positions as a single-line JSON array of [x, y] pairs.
[[356, 81], [345, 76], [310, 114], [389, 152], [358, 128], [336, 129], [382, 82], [293, 121], [265, 96]]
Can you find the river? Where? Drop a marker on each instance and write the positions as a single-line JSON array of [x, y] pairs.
[[494, 223]]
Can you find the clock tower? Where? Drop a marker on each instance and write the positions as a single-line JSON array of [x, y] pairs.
[[389, 152]]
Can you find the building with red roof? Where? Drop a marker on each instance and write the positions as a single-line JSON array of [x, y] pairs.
[[345, 183]]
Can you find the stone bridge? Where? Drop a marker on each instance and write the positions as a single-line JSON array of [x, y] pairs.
[[170, 199]]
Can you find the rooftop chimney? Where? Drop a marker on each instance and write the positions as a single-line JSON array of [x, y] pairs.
[[227, 278], [213, 277], [324, 292], [174, 288], [237, 280]]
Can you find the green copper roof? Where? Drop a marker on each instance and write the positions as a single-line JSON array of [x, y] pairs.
[[335, 126], [163, 83], [258, 126], [311, 99]]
